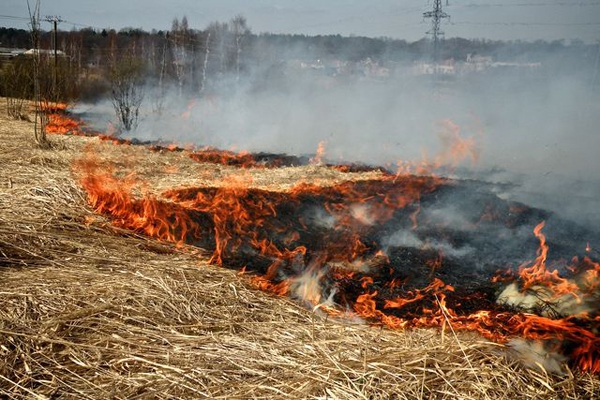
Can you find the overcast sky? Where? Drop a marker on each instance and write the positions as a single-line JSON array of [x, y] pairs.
[[491, 19]]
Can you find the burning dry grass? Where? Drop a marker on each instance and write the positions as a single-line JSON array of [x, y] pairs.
[[88, 311]]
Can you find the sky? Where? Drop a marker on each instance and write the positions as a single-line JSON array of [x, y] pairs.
[[528, 20]]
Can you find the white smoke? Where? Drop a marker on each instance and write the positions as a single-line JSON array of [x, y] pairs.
[[541, 300], [406, 238], [536, 355], [537, 127]]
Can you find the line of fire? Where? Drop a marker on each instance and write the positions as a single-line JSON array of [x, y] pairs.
[[403, 249]]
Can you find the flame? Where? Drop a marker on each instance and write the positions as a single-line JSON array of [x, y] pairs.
[[238, 212], [538, 274], [223, 157], [159, 148], [270, 235], [567, 298], [318, 158], [455, 147], [112, 196], [59, 122], [61, 125], [188, 112], [111, 130], [50, 107]]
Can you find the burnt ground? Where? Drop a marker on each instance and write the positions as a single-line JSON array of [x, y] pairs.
[[91, 310]]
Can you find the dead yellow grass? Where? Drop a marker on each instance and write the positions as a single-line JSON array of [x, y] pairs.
[[89, 311]]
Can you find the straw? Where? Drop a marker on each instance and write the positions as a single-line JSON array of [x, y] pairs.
[[90, 311]]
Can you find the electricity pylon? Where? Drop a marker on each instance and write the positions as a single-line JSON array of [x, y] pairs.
[[436, 18]]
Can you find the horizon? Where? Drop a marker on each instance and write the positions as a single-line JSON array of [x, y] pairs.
[[528, 21], [153, 31]]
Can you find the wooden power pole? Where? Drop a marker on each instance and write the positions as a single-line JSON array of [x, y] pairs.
[[54, 20]]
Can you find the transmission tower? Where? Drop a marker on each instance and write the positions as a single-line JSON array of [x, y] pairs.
[[436, 18]]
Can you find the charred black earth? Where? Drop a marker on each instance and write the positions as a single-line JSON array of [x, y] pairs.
[[462, 226]]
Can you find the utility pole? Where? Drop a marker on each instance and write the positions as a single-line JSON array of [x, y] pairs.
[[436, 18], [54, 20]]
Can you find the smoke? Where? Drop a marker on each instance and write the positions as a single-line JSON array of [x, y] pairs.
[[543, 301], [321, 218], [405, 238], [308, 287], [536, 127], [536, 355]]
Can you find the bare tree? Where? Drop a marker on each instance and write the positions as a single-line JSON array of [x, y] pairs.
[[180, 37], [240, 30], [222, 32], [39, 125], [205, 63], [17, 80], [127, 82], [219, 33], [158, 100]]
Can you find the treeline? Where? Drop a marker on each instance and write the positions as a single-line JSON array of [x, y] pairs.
[[194, 61], [88, 58], [92, 44]]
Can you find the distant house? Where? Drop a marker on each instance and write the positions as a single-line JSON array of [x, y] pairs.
[[9, 53], [530, 66], [477, 59], [44, 52], [447, 68], [477, 63], [372, 69]]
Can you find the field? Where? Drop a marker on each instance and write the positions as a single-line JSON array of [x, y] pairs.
[[88, 310]]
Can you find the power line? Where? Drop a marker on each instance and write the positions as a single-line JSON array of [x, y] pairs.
[[82, 25], [13, 17], [397, 11], [557, 4], [527, 23], [410, 10]]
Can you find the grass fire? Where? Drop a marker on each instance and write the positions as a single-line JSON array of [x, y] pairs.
[[360, 249], [218, 213], [380, 250]]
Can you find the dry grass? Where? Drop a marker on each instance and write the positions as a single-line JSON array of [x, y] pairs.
[[88, 311]]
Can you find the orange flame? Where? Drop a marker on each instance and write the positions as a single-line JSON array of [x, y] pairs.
[[60, 124], [455, 149], [537, 273], [52, 107], [318, 158], [111, 196], [235, 217], [223, 157]]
